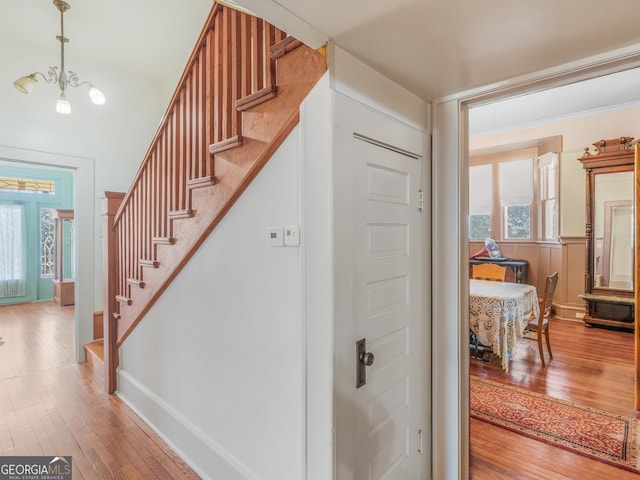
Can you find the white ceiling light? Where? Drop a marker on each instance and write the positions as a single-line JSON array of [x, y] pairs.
[[64, 78]]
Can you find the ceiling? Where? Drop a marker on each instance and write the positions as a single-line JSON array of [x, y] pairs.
[[144, 37], [434, 48]]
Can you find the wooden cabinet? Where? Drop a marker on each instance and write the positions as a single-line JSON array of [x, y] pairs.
[[63, 285], [517, 270], [609, 234]]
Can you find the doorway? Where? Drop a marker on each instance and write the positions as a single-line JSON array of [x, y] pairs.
[[83, 171], [597, 119], [450, 293], [28, 197]]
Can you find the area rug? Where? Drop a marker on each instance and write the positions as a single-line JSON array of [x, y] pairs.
[[600, 435]]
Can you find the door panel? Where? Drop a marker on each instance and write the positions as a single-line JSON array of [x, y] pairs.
[[386, 311]]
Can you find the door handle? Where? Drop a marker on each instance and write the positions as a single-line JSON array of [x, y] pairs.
[[364, 359], [367, 359]]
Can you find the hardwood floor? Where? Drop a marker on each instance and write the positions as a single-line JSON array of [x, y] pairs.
[[49, 405], [590, 366]]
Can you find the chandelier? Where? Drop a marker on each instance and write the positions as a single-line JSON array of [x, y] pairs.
[[63, 77]]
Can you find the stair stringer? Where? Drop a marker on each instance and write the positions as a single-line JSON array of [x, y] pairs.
[[265, 127]]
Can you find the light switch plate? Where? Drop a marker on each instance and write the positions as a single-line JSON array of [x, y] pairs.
[[292, 235], [273, 236]]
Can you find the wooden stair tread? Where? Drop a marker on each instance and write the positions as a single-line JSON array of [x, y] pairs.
[[144, 262], [123, 299], [186, 213], [95, 356], [96, 348], [257, 98], [135, 282], [164, 240], [224, 145], [201, 182], [283, 47]]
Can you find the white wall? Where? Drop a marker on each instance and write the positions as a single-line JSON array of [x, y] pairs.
[[223, 346]]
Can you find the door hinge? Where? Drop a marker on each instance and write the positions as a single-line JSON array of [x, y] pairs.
[[420, 441], [421, 200]]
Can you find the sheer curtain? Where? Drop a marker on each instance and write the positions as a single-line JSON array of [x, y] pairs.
[[13, 254]]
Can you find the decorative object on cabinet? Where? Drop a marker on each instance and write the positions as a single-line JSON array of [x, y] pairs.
[[63, 286], [609, 234], [516, 269]]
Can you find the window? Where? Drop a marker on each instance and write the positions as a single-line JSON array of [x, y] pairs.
[[480, 201], [513, 195], [46, 243], [516, 198], [548, 186], [27, 185], [13, 255]]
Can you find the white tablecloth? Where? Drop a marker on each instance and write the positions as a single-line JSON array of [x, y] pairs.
[[499, 312]]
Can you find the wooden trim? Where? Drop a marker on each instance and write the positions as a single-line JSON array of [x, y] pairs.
[[125, 300], [200, 182], [257, 98], [135, 282], [225, 145], [98, 325], [280, 49], [187, 213], [164, 240], [144, 262], [110, 205], [637, 276]]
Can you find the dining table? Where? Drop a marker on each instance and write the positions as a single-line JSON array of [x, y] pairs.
[[499, 313]]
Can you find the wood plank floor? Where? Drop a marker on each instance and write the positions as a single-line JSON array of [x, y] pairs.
[[49, 405], [590, 366]]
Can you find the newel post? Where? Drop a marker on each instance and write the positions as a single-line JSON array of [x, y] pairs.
[[110, 204]]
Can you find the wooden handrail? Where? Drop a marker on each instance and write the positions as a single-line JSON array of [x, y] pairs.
[[231, 60], [230, 76]]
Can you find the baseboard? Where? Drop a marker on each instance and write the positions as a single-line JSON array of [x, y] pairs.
[[205, 456], [573, 313]]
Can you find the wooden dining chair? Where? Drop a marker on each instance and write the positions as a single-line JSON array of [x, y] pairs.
[[540, 325], [488, 271]]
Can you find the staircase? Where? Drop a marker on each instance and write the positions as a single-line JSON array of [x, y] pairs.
[[235, 104]]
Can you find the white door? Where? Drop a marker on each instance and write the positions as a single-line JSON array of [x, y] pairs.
[[386, 310]]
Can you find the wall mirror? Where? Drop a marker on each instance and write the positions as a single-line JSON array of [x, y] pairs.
[[613, 231], [610, 234]]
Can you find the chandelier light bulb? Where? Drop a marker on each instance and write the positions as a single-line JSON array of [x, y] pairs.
[[25, 84], [63, 106], [96, 95]]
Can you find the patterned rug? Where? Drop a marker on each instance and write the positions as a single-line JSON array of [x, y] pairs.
[[600, 435]]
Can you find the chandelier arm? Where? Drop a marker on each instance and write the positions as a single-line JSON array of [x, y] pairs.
[[51, 77], [73, 79]]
